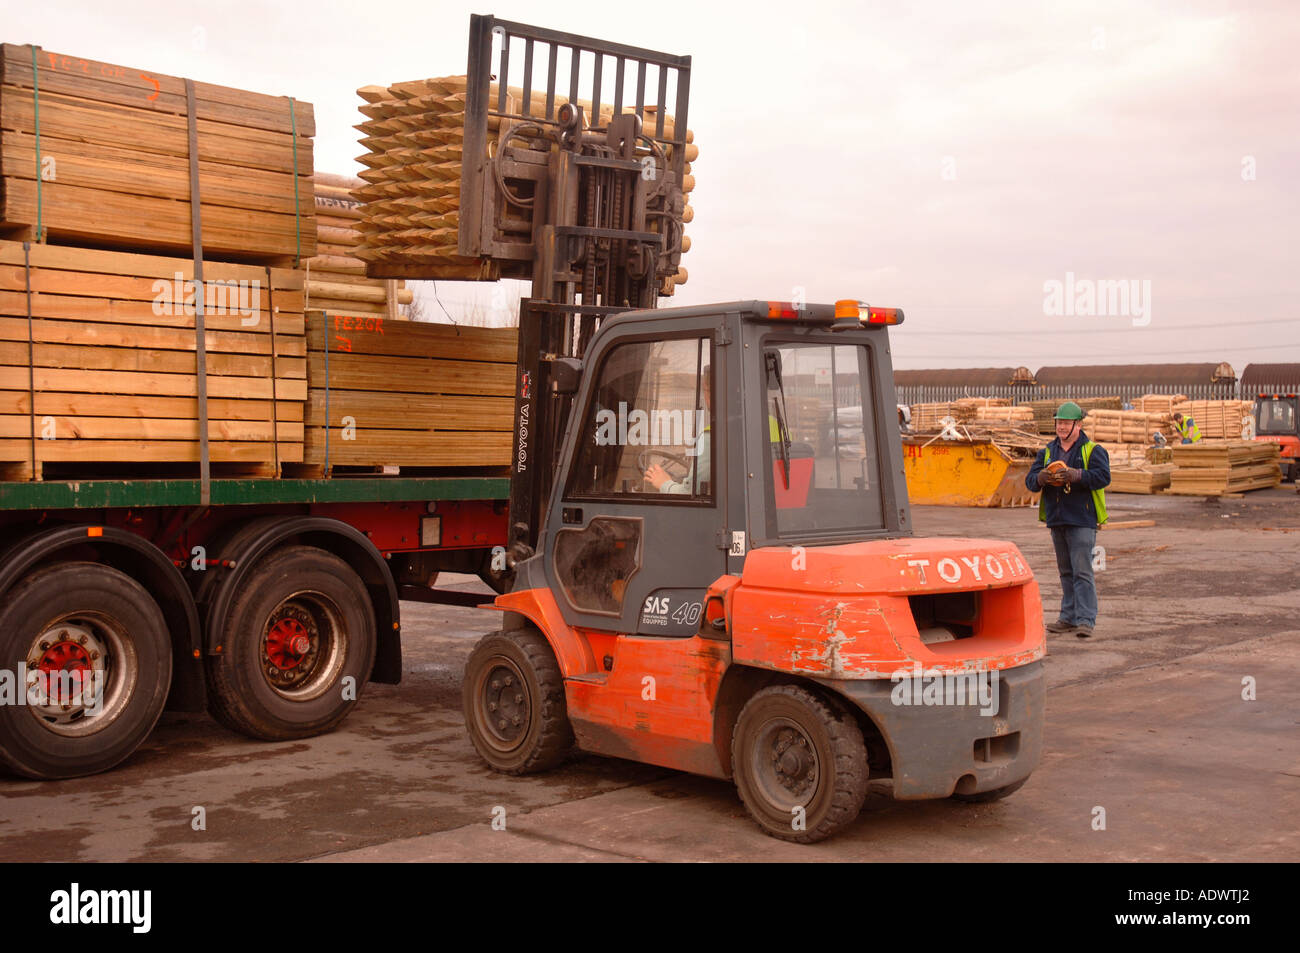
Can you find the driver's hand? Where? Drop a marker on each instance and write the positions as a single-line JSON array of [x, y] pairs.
[[657, 476]]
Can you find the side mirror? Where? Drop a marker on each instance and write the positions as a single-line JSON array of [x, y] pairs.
[[566, 373]]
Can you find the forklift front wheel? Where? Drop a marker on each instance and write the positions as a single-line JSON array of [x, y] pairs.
[[800, 764], [513, 697]]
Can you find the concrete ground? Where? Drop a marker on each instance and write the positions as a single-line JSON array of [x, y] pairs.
[[1146, 720]]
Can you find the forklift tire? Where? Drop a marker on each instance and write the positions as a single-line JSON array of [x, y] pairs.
[[997, 794], [298, 644], [80, 618], [514, 705], [800, 763]]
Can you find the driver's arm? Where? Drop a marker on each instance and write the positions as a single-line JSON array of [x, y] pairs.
[[699, 465]]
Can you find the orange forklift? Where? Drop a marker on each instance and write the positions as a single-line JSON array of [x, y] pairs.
[[710, 562]]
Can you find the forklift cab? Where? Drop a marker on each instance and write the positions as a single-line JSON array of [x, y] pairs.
[[700, 433], [1277, 420]]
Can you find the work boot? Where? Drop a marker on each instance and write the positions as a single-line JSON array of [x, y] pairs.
[[1083, 631], [1059, 625]]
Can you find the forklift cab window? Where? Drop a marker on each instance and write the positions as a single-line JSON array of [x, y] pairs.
[[822, 470], [646, 432], [1277, 416]]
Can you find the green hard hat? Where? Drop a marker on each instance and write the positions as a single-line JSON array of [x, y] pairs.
[[1069, 411]]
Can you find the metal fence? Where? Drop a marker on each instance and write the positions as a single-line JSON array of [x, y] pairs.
[[1020, 393]]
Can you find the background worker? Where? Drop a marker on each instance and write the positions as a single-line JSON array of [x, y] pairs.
[[1187, 428], [1072, 473]]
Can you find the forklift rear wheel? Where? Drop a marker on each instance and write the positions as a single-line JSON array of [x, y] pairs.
[[997, 794], [514, 705], [800, 763]]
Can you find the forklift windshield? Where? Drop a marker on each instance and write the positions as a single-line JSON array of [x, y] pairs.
[[822, 471], [1276, 415]]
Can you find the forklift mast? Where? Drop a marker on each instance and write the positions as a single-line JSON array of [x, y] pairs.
[[602, 182]]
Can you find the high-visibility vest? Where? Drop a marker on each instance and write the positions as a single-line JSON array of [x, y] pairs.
[[1098, 496], [1188, 429]]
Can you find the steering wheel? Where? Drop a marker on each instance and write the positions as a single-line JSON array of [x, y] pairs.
[[677, 459]]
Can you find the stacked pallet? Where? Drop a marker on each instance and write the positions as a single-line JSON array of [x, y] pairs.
[[336, 277], [1217, 467], [97, 154], [414, 136], [1126, 426], [407, 394], [107, 374], [1158, 403], [1146, 478], [1218, 419]]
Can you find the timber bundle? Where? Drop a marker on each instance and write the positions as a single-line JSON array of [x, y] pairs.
[[414, 136], [103, 369]]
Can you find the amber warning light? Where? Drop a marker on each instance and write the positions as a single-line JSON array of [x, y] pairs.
[[866, 314]]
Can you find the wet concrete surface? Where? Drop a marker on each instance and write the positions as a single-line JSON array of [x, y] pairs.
[[1145, 720]]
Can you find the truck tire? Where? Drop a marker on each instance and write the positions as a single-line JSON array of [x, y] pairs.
[[87, 620], [997, 794], [513, 698], [298, 644], [794, 749]]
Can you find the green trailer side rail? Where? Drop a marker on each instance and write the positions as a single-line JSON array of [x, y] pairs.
[[106, 494]]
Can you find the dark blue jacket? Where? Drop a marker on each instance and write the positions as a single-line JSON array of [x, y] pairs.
[[1076, 507]]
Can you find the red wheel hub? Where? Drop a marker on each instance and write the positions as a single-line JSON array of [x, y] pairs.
[[65, 656], [287, 643]]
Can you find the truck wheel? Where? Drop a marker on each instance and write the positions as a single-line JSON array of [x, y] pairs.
[[298, 644], [800, 764], [96, 660], [996, 794], [514, 705]]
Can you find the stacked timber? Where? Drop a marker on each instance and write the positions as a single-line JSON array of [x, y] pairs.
[[1045, 410], [407, 394], [1002, 418], [1145, 478], [97, 154], [336, 278], [1158, 403], [107, 375], [414, 136], [1218, 419], [927, 418], [1218, 467], [966, 408], [1126, 426]]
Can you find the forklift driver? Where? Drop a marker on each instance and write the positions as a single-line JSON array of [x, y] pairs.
[[660, 479]]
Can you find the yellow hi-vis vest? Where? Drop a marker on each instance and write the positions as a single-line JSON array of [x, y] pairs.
[[1189, 430], [1098, 496]]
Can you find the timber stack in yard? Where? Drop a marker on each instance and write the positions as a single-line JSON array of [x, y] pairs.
[[102, 369]]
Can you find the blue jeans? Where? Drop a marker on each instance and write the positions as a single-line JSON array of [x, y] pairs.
[[1074, 545]]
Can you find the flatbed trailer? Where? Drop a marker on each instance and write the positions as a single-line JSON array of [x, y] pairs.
[[270, 606]]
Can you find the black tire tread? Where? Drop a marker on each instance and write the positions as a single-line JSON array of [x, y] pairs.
[[850, 754], [555, 740]]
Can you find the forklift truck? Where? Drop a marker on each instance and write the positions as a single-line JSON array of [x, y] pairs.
[[710, 562]]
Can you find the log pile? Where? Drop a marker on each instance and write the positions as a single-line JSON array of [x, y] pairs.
[[112, 363], [966, 408], [1126, 426], [1217, 419], [1045, 410], [414, 135], [111, 165], [407, 394], [1002, 418], [1218, 467], [336, 277]]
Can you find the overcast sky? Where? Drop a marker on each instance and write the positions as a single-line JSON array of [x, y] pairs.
[[950, 159]]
